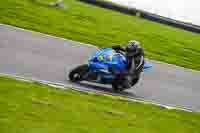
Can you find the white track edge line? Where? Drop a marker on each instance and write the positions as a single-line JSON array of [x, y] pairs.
[[73, 87], [48, 35], [90, 45]]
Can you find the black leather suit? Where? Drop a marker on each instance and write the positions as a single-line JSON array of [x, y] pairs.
[[134, 67]]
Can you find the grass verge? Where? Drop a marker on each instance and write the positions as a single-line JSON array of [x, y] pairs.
[[28, 107], [87, 23]]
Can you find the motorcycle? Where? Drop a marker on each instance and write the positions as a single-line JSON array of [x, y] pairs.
[[98, 68]]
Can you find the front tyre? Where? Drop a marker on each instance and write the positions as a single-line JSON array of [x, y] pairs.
[[78, 73]]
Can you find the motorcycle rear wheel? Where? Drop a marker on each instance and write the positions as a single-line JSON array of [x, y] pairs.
[[120, 86], [117, 87]]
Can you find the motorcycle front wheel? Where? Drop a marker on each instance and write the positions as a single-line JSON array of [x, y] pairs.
[[78, 73]]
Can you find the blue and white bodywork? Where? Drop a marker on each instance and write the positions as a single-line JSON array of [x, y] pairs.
[[104, 58], [99, 66]]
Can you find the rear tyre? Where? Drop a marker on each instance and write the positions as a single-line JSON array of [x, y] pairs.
[[78, 73], [119, 86], [126, 84], [134, 81]]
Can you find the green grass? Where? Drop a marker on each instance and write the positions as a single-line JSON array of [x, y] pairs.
[[28, 107], [102, 27]]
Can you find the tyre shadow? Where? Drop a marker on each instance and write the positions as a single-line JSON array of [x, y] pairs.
[[105, 89]]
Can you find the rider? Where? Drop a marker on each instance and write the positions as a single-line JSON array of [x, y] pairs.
[[135, 57]]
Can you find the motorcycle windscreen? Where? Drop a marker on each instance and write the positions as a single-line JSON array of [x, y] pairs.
[[97, 55], [107, 57]]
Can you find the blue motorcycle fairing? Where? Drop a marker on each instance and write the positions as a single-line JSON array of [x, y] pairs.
[[104, 58], [147, 66]]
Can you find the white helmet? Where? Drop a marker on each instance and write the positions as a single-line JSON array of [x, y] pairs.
[[134, 42], [132, 47]]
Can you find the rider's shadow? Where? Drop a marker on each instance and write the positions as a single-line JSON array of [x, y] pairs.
[[106, 89]]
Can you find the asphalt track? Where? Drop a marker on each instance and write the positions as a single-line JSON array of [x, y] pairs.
[[44, 57]]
